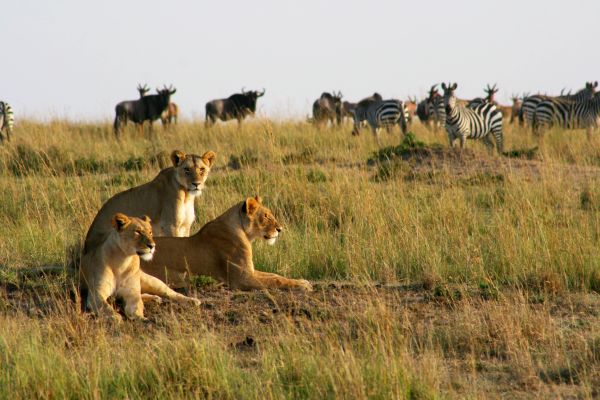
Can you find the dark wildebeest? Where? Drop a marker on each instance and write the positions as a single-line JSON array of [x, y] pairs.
[[171, 112], [328, 108], [237, 106], [142, 90], [359, 114], [147, 108], [348, 109]]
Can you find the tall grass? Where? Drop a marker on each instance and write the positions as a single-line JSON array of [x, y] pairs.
[[523, 234]]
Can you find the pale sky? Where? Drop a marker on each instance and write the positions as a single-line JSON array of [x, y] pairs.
[[76, 58]]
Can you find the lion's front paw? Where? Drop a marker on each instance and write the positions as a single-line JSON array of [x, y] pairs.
[[196, 302], [305, 285]]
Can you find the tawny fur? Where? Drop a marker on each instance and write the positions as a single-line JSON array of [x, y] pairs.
[[168, 199], [113, 269], [222, 249]]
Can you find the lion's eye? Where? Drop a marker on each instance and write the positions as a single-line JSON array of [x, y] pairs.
[[187, 170], [137, 233], [202, 170]]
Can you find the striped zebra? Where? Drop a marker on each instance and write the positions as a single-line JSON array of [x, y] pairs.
[[530, 103], [584, 114], [437, 111], [464, 123], [378, 114], [7, 120]]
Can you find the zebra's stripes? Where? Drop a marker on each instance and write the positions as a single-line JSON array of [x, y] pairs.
[[438, 111], [531, 103], [464, 123], [378, 114], [583, 114], [7, 120]]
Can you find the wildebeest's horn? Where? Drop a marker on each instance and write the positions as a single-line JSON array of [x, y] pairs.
[[262, 93], [243, 90]]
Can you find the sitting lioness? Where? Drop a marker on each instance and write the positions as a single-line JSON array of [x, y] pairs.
[[222, 249], [168, 199], [113, 268]]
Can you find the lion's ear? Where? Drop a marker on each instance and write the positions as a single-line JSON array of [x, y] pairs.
[[209, 158], [146, 219], [250, 206], [258, 198], [177, 156], [120, 221]]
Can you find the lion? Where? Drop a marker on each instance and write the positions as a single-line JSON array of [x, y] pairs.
[[113, 268], [168, 199], [222, 249]]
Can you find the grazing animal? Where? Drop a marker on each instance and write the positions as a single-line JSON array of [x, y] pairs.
[[168, 199], [237, 106], [516, 109], [489, 98], [7, 120], [437, 111], [170, 115], [568, 114], [328, 108], [147, 108], [113, 268], [530, 103], [222, 249], [348, 109], [142, 90], [410, 110], [380, 113], [359, 113], [464, 123]]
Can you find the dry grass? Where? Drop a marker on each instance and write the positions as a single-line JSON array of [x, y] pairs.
[[489, 265]]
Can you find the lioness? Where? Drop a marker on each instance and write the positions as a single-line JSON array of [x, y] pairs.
[[222, 249], [168, 199], [113, 268]]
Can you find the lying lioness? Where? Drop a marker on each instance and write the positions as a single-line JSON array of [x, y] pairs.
[[168, 199], [113, 268], [222, 249]]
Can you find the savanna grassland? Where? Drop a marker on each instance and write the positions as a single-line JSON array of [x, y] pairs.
[[437, 275]]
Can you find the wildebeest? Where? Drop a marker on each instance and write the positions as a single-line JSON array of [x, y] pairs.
[[169, 115], [348, 109], [147, 108], [142, 90], [328, 108], [237, 106]]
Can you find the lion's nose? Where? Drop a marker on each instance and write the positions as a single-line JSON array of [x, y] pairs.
[[151, 246], [278, 229]]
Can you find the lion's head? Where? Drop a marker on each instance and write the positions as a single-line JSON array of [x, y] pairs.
[[135, 235], [259, 221], [191, 170]]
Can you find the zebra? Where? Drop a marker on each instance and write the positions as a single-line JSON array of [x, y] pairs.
[[7, 120], [584, 114], [437, 110], [382, 113], [471, 123], [530, 103]]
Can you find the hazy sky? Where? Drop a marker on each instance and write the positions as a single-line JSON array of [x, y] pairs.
[[77, 58]]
